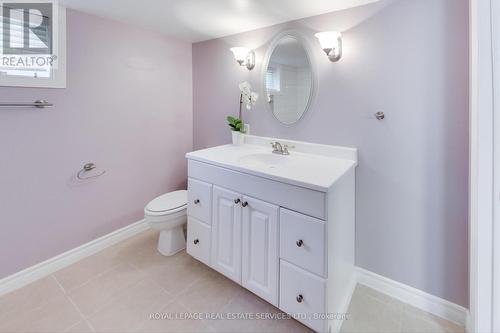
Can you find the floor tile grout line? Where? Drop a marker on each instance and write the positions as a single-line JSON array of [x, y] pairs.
[[81, 314], [162, 308], [106, 302], [141, 271], [188, 286], [110, 300], [172, 298], [74, 305], [81, 321], [100, 273], [75, 324], [146, 276], [58, 283], [44, 303], [207, 323], [133, 266], [175, 297], [175, 300], [92, 278]]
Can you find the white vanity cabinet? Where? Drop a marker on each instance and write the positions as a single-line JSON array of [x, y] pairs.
[[290, 243]]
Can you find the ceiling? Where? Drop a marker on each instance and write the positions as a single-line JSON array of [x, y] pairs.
[[198, 20]]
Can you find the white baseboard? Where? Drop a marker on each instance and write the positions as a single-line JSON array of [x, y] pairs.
[[43, 269], [415, 297]]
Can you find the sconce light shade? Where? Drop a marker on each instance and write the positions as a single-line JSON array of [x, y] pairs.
[[244, 57], [331, 43]]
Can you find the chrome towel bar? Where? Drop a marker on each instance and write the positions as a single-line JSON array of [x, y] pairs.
[[37, 104]]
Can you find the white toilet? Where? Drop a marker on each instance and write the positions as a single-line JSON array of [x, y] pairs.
[[167, 213]]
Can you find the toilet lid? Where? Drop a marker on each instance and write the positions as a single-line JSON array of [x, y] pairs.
[[169, 201]]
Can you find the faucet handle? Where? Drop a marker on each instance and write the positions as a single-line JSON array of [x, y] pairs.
[[285, 149]]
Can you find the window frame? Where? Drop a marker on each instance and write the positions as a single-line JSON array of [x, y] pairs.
[[58, 75]]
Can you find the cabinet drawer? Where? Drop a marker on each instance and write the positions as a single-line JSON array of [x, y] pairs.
[[200, 200], [302, 241], [198, 240], [302, 294]]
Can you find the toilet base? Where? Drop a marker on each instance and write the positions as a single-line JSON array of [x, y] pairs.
[[171, 241]]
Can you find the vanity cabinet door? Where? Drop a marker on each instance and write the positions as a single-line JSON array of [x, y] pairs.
[[226, 233], [260, 248]]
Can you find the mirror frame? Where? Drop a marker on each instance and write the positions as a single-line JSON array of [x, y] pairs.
[[306, 44]]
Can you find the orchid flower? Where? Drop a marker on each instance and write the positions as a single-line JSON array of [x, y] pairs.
[[248, 97]]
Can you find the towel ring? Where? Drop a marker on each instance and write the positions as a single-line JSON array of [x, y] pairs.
[[87, 168]]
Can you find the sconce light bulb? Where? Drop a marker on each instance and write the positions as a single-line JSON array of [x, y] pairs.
[[244, 57], [331, 43], [240, 53]]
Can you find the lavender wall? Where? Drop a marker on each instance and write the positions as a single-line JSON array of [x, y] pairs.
[[408, 58], [127, 107]]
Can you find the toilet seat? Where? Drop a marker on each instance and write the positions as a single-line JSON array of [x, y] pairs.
[[166, 213], [167, 204]]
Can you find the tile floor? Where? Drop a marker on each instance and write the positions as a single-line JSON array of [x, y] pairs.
[[128, 287]]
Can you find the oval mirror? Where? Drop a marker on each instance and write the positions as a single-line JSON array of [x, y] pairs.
[[288, 79]]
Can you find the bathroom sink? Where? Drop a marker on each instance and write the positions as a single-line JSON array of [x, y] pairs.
[[309, 165], [263, 160]]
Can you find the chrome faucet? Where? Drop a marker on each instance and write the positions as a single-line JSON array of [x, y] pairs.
[[280, 149]]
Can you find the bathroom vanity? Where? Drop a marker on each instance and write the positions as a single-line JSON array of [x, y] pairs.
[[281, 226]]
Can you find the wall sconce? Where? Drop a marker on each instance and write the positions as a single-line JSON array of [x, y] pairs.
[[331, 43], [244, 57]]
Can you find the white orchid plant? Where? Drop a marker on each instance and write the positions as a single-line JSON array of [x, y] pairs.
[[247, 97]]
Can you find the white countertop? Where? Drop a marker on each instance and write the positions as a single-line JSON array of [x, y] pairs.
[[317, 167]]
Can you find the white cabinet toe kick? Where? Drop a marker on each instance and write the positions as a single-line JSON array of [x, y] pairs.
[[291, 245]]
